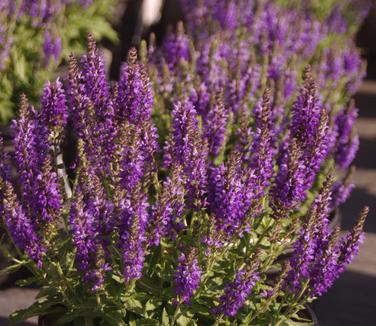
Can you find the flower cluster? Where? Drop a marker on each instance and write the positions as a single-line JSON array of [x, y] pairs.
[[193, 174]]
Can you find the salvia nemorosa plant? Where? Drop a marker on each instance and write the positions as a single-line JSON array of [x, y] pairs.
[[35, 35], [193, 175]]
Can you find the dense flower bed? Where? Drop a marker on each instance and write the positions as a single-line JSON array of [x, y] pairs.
[[193, 174]]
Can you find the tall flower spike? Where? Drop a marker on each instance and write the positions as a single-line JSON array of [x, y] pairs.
[[288, 189], [262, 148], [347, 139], [215, 124], [324, 270], [47, 200], [85, 218], [135, 96], [229, 193], [187, 276], [306, 113], [132, 160], [342, 189], [53, 114], [238, 291], [96, 85], [349, 244], [134, 104], [309, 138], [25, 149], [176, 47], [97, 98], [311, 241], [169, 207], [186, 147], [21, 228], [133, 224], [322, 144]]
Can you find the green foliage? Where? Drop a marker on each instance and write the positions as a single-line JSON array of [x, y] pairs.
[[25, 70]]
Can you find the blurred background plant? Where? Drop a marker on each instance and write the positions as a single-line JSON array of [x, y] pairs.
[[36, 35]]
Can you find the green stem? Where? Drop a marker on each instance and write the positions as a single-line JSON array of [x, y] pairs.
[[218, 320]]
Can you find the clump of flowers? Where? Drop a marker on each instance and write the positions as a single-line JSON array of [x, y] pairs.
[[56, 28], [193, 176]]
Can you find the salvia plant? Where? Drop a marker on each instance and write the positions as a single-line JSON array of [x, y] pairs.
[[36, 35], [204, 180]]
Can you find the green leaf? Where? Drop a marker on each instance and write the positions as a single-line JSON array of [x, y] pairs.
[[290, 322], [77, 315], [165, 318], [115, 318], [27, 282], [152, 304], [184, 320], [147, 322], [10, 269], [134, 305], [42, 306]]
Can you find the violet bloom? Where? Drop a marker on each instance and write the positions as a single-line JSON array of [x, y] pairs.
[[132, 160], [21, 227], [187, 277], [51, 47], [47, 199], [306, 114], [348, 246], [133, 223], [311, 239], [324, 270], [186, 147], [342, 189], [134, 104], [347, 139], [85, 218], [237, 292], [25, 149], [97, 90], [215, 125], [230, 190], [262, 147], [176, 47], [308, 146], [36, 137], [53, 116], [333, 257], [169, 208], [288, 189]]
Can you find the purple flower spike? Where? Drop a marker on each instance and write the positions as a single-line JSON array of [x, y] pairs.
[[215, 124], [237, 292], [133, 223], [176, 47], [53, 115], [349, 245], [25, 149], [169, 208], [262, 162], [134, 104], [187, 276], [347, 139], [21, 227], [187, 148]]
